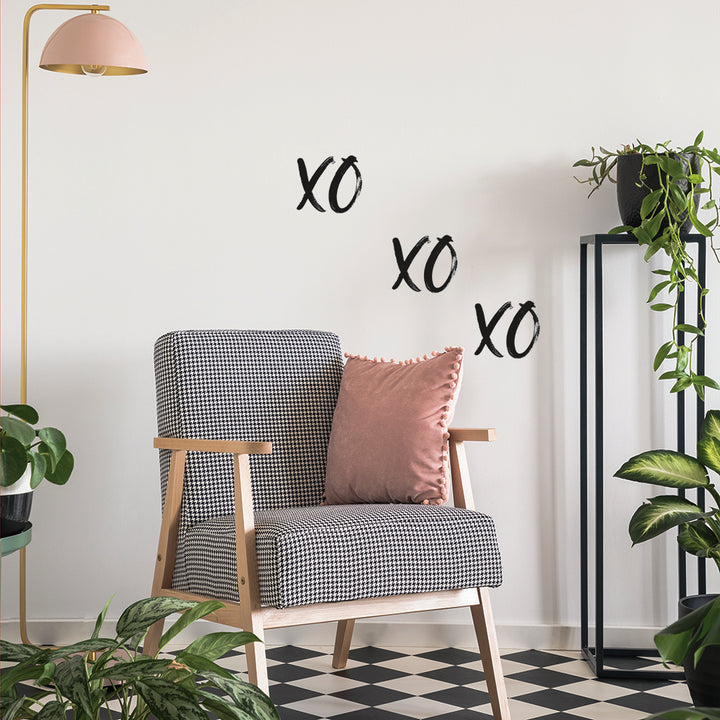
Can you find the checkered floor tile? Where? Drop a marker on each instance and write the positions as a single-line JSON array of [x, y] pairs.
[[448, 684]]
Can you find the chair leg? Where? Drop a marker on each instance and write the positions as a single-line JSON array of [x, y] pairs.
[[152, 639], [257, 662], [490, 655], [343, 638]]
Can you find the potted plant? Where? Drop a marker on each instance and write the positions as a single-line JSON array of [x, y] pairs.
[[27, 455], [660, 188], [80, 681], [693, 640]]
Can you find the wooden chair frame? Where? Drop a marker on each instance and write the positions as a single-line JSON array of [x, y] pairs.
[[249, 615]]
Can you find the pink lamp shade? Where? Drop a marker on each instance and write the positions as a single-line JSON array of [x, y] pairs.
[[93, 44]]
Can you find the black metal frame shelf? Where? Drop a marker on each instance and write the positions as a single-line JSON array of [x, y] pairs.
[[597, 655]]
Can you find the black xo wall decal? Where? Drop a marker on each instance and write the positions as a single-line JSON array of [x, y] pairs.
[[404, 262], [487, 327], [309, 183]]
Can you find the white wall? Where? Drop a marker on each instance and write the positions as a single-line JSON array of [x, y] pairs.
[[169, 201]]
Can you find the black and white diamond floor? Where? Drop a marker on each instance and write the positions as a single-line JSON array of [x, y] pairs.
[[448, 684]]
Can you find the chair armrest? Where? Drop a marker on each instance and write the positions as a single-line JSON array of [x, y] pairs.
[[236, 447], [462, 434]]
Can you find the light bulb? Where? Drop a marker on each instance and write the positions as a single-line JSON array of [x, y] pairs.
[[94, 70]]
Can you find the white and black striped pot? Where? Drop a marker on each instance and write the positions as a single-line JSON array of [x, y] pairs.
[[15, 505]]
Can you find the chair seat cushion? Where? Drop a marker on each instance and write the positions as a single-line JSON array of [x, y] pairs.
[[310, 555]]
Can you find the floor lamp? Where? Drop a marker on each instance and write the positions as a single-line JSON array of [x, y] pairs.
[[90, 44]]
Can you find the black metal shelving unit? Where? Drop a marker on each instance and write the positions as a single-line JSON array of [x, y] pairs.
[[598, 654]]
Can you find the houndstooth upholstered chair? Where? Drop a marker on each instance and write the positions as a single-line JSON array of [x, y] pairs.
[[244, 419]]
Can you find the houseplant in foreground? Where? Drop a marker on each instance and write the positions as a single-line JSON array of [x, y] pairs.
[[80, 680], [27, 455], [691, 641], [660, 189]]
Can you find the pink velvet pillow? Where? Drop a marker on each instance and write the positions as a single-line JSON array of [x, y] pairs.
[[389, 434]]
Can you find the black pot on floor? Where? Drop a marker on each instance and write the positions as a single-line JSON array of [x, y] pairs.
[[703, 679], [630, 194], [14, 513]]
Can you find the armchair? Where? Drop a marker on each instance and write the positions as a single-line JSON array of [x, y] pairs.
[[242, 517]]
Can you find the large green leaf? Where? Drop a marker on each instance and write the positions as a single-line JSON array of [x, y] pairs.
[[710, 630], [698, 539], [71, 680], [92, 645], [39, 468], [63, 469], [214, 645], [13, 460], [54, 440], [677, 639], [187, 618], [16, 652], [220, 707], [708, 446], [24, 412], [665, 467], [202, 665], [17, 674], [19, 430], [168, 701], [142, 614], [144, 667], [247, 697], [660, 514]]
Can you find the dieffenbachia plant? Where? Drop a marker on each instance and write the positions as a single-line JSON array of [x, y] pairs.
[[698, 528]]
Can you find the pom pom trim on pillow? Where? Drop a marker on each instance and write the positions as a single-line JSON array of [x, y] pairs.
[[389, 440]]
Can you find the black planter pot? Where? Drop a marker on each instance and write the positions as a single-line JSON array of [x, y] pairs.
[[14, 513], [703, 680], [630, 196]]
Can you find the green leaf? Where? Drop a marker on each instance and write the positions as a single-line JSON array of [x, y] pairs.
[[650, 202], [13, 708], [13, 460], [687, 713], [144, 613], [697, 539], [708, 445], [620, 229], [169, 701], [71, 680], [683, 357], [39, 468], [84, 646], [661, 272], [672, 374], [18, 429], [699, 138], [54, 440], [705, 381], [101, 618], [16, 652], [24, 412], [187, 618], [684, 327], [220, 707], [53, 710], [657, 289], [660, 514], [47, 675], [662, 354], [683, 383], [667, 468], [660, 307], [676, 641], [214, 645], [17, 674], [203, 666], [247, 697], [61, 474], [695, 179], [145, 667]]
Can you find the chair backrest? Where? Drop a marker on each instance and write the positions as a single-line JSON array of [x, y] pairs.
[[272, 385]]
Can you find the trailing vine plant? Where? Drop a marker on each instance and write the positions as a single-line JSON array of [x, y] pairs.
[[664, 211]]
